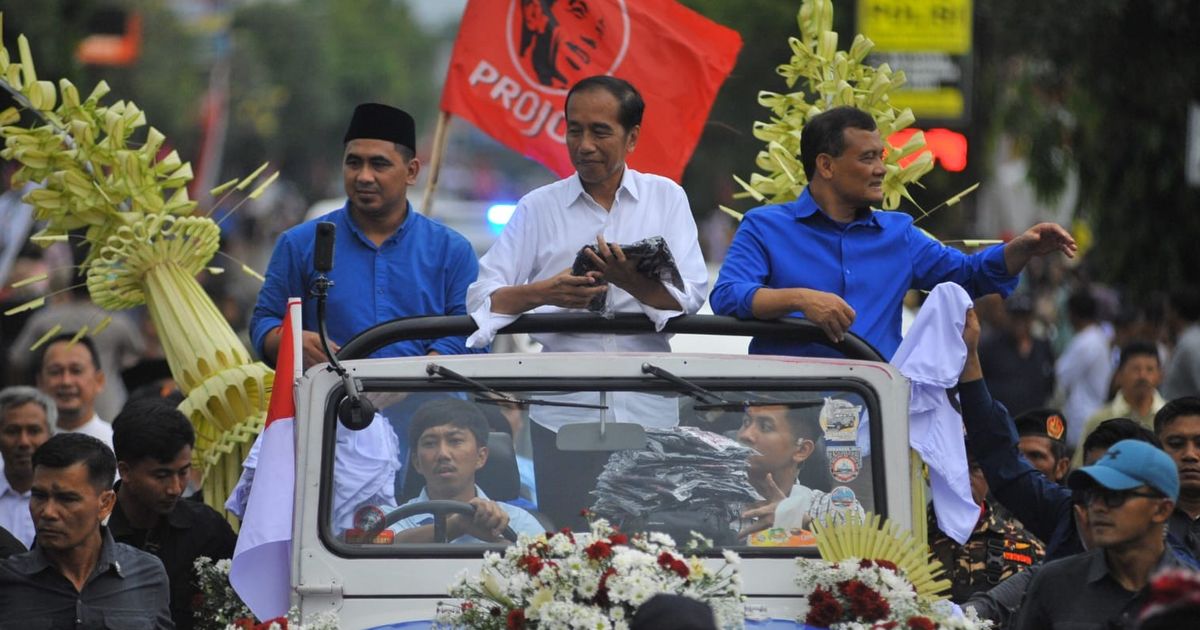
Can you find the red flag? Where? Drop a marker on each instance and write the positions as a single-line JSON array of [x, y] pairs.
[[515, 60], [262, 561]]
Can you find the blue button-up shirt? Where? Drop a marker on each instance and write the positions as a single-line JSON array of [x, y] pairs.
[[422, 269], [870, 262]]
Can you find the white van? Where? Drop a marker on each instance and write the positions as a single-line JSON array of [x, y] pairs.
[[371, 582]]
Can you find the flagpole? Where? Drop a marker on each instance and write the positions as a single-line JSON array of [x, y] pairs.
[[435, 161]]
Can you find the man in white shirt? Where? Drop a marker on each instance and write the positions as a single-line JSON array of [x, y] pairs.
[[26, 417], [70, 373], [1084, 370], [602, 204]]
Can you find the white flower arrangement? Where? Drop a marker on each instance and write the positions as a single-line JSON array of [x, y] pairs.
[[595, 581], [218, 607], [855, 594]]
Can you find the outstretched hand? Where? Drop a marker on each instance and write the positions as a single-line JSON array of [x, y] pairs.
[[1039, 240]]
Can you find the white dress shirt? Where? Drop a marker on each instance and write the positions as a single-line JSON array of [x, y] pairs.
[[96, 428], [547, 230], [1083, 373], [14, 512]]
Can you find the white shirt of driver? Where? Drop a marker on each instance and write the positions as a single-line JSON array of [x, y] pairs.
[[549, 227], [14, 512]]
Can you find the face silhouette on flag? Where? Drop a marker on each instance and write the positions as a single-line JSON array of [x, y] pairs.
[[563, 41]]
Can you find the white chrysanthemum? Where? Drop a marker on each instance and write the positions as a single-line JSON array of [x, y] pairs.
[[662, 539]]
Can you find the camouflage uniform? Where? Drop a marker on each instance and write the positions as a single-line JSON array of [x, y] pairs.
[[999, 547]]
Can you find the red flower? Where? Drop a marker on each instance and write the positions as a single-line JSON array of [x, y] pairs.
[[823, 609], [887, 564], [516, 619], [671, 563], [598, 550], [865, 603], [921, 623], [531, 563], [601, 597], [619, 539]]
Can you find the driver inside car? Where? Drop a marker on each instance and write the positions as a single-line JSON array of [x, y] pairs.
[[448, 443], [789, 472]]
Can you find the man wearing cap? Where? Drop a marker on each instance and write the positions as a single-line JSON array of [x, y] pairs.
[[1128, 495], [1041, 433], [389, 261]]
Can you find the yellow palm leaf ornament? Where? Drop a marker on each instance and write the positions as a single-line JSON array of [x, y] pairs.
[[146, 247], [825, 77], [877, 538]]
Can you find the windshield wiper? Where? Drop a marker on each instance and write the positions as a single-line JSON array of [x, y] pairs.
[[687, 387], [434, 369], [710, 401]]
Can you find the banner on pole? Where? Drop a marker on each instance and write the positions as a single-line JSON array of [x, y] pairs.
[[514, 61]]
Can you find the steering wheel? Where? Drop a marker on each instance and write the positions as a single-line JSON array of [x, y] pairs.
[[440, 509]]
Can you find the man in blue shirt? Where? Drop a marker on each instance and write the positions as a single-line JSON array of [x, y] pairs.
[[390, 262], [828, 257]]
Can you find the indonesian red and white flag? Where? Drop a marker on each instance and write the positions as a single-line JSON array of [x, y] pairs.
[[514, 61], [262, 561]]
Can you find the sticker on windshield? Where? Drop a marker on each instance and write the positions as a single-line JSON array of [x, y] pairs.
[[842, 498], [844, 462], [839, 420]]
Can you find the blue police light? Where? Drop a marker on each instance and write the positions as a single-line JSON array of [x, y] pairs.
[[499, 214]]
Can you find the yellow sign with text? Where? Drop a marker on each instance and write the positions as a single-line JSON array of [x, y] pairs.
[[917, 25]]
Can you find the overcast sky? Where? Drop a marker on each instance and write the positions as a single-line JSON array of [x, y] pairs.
[[437, 12]]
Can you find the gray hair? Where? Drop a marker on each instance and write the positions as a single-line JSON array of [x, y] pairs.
[[18, 395]]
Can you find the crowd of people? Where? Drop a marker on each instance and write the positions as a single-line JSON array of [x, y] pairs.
[[95, 496]]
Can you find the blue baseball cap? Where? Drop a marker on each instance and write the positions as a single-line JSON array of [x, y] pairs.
[[1127, 465]]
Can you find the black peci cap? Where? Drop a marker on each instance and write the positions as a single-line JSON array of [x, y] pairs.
[[376, 121]]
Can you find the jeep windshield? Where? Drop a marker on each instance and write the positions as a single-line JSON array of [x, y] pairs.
[[469, 452]]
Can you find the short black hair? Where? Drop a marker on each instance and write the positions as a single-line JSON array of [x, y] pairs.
[[151, 428], [630, 108], [67, 449], [85, 340], [451, 411], [1114, 430], [1183, 406], [1082, 305], [1137, 349], [826, 133]]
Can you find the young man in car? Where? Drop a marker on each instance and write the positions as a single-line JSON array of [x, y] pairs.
[[448, 439], [787, 440]]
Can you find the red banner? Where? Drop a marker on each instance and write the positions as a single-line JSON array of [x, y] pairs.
[[514, 61]]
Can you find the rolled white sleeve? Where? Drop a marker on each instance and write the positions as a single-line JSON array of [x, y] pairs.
[[509, 262]]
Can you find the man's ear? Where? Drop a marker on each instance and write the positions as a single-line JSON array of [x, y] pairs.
[[1162, 511], [1061, 467], [631, 141], [414, 169], [483, 455], [101, 379], [824, 166], [804, 450], [123, 470], [108, 500]]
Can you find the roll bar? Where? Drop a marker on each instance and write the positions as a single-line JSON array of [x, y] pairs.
[[802, 330]]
